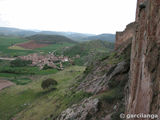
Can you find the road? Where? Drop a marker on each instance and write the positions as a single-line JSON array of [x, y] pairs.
[[10, 59]]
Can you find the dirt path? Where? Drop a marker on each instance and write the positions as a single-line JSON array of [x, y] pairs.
[[5, 83], [1, 58]]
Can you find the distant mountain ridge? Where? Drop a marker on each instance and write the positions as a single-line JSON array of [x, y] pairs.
[[6, 31], [104, 37]]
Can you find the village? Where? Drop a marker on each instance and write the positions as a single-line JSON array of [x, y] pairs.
[[49, 60]]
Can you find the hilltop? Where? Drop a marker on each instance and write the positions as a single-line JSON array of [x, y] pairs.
[[50, 39]]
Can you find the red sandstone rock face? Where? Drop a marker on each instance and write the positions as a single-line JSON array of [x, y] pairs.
[[137, 10], [144, 95], [125, 36]]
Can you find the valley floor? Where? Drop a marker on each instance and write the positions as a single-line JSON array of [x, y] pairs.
[[31, 102]]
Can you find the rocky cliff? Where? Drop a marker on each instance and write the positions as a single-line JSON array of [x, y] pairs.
[[144, 83], [125, 36], [139, 3]]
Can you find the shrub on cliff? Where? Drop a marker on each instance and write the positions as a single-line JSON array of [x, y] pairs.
[[142, 5], [49, 83]]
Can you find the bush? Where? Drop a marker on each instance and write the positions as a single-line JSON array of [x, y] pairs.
[[21, 81], [112, 95], [142, 6], [66, 64], [113, 83], [49, 83], [46, 67], [88, 69], [17, 70], [20, 63]]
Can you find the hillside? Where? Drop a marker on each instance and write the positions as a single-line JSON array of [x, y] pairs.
[[72, 35], [84, 48], [50, 39], [22, 100], [104, 37], [87, 51]]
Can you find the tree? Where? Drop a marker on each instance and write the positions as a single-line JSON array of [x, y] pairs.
[[20, 63], [49, 83]]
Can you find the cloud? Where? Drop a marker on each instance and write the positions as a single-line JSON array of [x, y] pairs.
[[90, 16], [3, 22]]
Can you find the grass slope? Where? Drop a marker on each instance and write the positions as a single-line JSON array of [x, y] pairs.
[[84, 48], [54, 47], [88, 51], [30, 102], [50, 39]]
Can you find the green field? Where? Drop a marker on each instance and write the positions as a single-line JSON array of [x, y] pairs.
[[7, 71], [6, 42], [8, 49], [14, 47], [31, 102]]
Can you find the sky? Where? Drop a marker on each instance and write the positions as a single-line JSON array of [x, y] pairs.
[[84, 16]]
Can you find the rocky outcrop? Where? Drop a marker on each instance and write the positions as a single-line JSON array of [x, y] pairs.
[[144, 87], [95, 83], [125, 37], [83, 111]]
